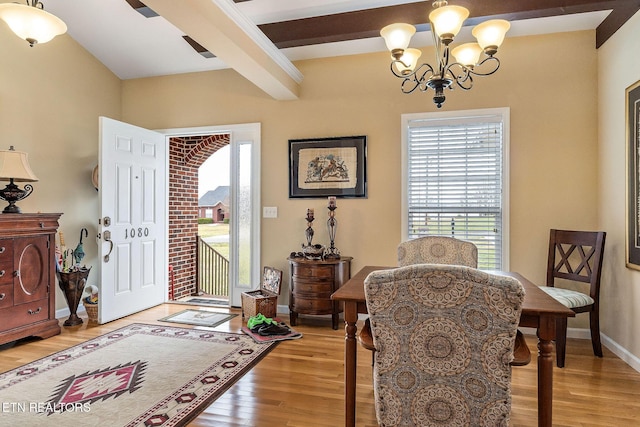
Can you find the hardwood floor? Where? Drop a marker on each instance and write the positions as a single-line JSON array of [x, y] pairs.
[[300, 383]]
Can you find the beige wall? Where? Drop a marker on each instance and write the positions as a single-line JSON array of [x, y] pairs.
[[50, 98], [553, 140], [618, 68]]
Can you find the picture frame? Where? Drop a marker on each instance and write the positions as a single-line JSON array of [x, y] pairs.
[[321, 167], [632, 111]]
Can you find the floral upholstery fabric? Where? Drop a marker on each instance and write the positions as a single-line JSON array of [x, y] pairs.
[[437, 250], [444, 339]]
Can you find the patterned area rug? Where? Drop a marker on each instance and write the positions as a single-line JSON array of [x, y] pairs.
[[199, 317], [139, 375]]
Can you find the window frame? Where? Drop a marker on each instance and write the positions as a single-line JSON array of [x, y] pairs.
[[458, 116]]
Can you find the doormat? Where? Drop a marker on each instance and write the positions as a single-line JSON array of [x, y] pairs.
[[139, 375], [202, 301], [199, 317], [208, 301]]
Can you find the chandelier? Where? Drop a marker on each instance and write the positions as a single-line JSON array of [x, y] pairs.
[[31, 22], [446, 21]]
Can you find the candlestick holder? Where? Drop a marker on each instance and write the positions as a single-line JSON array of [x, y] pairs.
[[332, 226], [311, 251]]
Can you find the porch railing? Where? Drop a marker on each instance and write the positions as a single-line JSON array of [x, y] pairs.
[[213, 271]]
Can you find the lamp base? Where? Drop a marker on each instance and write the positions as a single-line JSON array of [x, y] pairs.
[[11, 193], [12, 208]]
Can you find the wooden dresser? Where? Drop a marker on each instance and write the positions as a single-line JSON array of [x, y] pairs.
[[311, 283], [27, 276]]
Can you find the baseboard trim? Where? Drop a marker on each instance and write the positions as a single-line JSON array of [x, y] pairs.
[[63, 313], [585, 334]]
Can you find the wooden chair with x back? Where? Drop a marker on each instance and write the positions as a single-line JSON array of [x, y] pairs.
[[576, 256]]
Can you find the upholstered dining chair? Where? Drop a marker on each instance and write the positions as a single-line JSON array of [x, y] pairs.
[[444, 337], [427, 250], [576, 256], [449, 251], [437, 250]]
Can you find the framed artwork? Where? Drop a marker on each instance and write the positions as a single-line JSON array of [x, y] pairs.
[[324, 167], [633, 176]]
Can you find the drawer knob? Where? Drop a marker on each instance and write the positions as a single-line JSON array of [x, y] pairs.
[[2, 295], [2, 273], [2, 249], [35, 312]]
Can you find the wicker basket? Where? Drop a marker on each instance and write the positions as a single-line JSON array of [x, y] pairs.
[[255, 302], [92, 311]]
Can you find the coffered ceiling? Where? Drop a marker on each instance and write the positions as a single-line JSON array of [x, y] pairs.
[[260, 38]]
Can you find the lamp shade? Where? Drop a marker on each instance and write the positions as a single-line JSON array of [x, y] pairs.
[[397, 36], [14, 164], [491, 33], [467, 54], [408, 61], [447, 20], [31, 23]]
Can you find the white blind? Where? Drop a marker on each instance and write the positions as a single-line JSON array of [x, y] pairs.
[[454, 182]]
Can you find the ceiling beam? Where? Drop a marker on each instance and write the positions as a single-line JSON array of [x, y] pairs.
[[615, 20], [222, 30], [367, 23]]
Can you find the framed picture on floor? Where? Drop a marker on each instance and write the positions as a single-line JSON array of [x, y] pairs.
[[633, 176], [324, 167]]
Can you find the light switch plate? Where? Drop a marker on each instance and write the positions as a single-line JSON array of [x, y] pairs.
[[269, 212]]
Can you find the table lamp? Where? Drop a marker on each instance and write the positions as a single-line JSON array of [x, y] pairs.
[[14, 166]]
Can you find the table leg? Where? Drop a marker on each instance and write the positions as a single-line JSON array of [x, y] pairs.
[[546, 334], [350, 362]]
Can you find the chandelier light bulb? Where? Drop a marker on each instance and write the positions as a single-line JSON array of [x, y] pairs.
[[490, 34], [408, 61], [467, 54], [447, 21], [397, 36]]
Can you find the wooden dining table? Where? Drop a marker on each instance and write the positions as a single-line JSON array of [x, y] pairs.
[[539, 311]]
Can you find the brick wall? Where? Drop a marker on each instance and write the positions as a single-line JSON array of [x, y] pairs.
[[186, 155]]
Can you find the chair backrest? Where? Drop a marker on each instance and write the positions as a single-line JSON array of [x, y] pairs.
[[444, 339], [437, 250], [577, 256]]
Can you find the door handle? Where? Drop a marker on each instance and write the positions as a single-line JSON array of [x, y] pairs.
[[107, 238]]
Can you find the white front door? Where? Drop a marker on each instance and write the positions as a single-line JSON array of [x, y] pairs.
[[133, 219]]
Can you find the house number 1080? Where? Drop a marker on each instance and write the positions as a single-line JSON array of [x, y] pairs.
[[132, 233]]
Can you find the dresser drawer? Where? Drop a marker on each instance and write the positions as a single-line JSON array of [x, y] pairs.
[[313, 271], [313, 306], [318, 288], [6, 274], [24, 314], [6, 261], [6, 296], [6, 251]]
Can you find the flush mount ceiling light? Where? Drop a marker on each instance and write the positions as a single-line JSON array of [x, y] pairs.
[[446, 21], [31, 22]]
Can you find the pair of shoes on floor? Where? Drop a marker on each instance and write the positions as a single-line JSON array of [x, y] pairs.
[[268, 329]]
